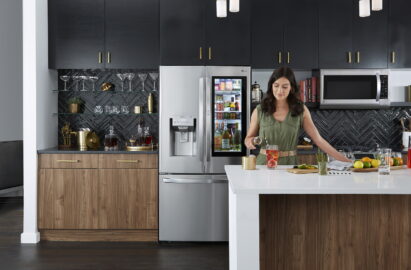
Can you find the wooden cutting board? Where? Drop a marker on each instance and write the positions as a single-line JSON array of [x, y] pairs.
[[376, 169], [302, 171]]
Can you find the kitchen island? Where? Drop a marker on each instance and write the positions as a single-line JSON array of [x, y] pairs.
[[279, 220]]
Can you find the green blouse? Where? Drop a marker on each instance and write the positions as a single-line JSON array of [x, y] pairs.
[[284, 134]]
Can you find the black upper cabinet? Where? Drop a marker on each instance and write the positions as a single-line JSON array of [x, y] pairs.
[[267, 33], [301, 34], [182, 32], [349, 41], [191, 34], [76, 34], [228, 39], [284, 33], [132, 34], [399, 34], [103, 34]]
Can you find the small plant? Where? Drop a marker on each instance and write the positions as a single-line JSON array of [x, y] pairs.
[[75, 100]]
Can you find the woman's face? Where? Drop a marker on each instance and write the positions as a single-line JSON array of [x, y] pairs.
[[281, 88]]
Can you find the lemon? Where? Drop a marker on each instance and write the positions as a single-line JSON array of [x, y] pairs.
[[367, 164], [375, 163], [358, 164]]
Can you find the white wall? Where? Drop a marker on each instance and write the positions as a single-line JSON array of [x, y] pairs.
[[39, 102], [397, 81], [11, 69]]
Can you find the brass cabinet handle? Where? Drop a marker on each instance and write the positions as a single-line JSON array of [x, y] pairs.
[[349, 58], [279, 58], [393, 57], [108, 57], [288, 57], [201, 53], [100, 57], [68, 160], [357, 57], [128, 161], [209, 53]]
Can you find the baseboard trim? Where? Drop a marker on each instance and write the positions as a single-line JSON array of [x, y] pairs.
[[100, 235], [30, 238]]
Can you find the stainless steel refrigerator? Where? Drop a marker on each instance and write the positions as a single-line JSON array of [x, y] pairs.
[[203, 123]]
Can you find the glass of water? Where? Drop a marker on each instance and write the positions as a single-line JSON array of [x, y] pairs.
[[385, 157]]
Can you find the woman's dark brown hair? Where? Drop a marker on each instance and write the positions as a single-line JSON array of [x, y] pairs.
[[268, 104]]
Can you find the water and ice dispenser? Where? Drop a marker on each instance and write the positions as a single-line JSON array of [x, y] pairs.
[[183, 136]]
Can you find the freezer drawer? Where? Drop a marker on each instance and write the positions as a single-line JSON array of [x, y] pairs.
[[193, 208]]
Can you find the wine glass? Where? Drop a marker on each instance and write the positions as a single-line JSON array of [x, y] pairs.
[[130, 77], [142, 77], [76, 79], [65, 79], [83, 79], [93, 80], [122, 77], [154, 77]]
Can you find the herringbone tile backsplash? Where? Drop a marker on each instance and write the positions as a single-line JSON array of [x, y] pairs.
[[124, 124], [361, 129]]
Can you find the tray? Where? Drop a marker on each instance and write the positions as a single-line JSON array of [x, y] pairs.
[[302, 171], [376, 169], [139, 148]]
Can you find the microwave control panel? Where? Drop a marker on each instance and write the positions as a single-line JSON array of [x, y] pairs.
[[384, 87]]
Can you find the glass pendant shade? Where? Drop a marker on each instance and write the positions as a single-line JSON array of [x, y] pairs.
[[221, 8], [364, 8], [234, 6], [376, 5]]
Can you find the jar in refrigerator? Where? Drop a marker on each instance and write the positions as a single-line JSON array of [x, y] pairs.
[[229, 85], [222, 85]]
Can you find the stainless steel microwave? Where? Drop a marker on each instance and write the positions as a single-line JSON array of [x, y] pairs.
[[354, 88]]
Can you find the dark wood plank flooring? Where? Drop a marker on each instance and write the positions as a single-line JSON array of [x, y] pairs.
[[102, 255]]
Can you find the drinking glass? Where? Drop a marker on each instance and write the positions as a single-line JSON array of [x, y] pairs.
[[322, 160], [93, 80], [83, 79], [65, 79], [142, 77], [385, 158], [124, 109], [108, 109], [76, 79], [272, 154], [130, 77], [115, 109], [122, 77], [154, 77]]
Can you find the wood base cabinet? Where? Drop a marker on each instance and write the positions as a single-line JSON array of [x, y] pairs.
[[115, 200]]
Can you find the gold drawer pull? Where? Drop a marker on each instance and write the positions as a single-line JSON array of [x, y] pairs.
[[128, 161], [68, 160]]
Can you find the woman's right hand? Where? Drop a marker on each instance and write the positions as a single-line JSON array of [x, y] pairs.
[[249, 143]]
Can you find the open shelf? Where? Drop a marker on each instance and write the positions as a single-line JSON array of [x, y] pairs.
[[106, 114]]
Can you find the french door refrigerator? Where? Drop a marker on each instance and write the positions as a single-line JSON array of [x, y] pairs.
[[203, 123]]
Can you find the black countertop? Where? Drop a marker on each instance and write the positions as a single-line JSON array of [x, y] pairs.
[[55, 150]]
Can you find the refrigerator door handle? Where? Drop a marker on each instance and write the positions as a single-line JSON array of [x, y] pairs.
[[208, 124], [194, 181], [200, 135]]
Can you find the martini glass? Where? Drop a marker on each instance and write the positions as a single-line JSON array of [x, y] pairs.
[[65, 79], [83, 79], [153, 77], [142, 77], [93, 80], [76, 79], [130, 77], [122, 77]]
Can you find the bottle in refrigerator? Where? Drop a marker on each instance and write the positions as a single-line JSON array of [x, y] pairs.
[[217, 138], [237, 138], [232, 104], [226, 139]]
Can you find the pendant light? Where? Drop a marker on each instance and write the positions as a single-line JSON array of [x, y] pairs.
[[221, 8], [364, 8], [376, 5], [234, 6]]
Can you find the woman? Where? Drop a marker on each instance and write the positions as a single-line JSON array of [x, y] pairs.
[[279, 118]]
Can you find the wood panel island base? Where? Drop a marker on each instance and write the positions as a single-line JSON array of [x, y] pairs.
[[286, 221]]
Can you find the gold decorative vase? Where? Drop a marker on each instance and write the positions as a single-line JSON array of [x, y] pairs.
[[74, 108]]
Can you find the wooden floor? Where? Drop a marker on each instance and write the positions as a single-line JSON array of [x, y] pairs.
[[101, 256]]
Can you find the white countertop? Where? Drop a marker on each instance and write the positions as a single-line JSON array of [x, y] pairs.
[[279, 181]]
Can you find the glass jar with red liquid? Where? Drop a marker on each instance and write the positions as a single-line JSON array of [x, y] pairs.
[[148, 138], [272, 154]]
